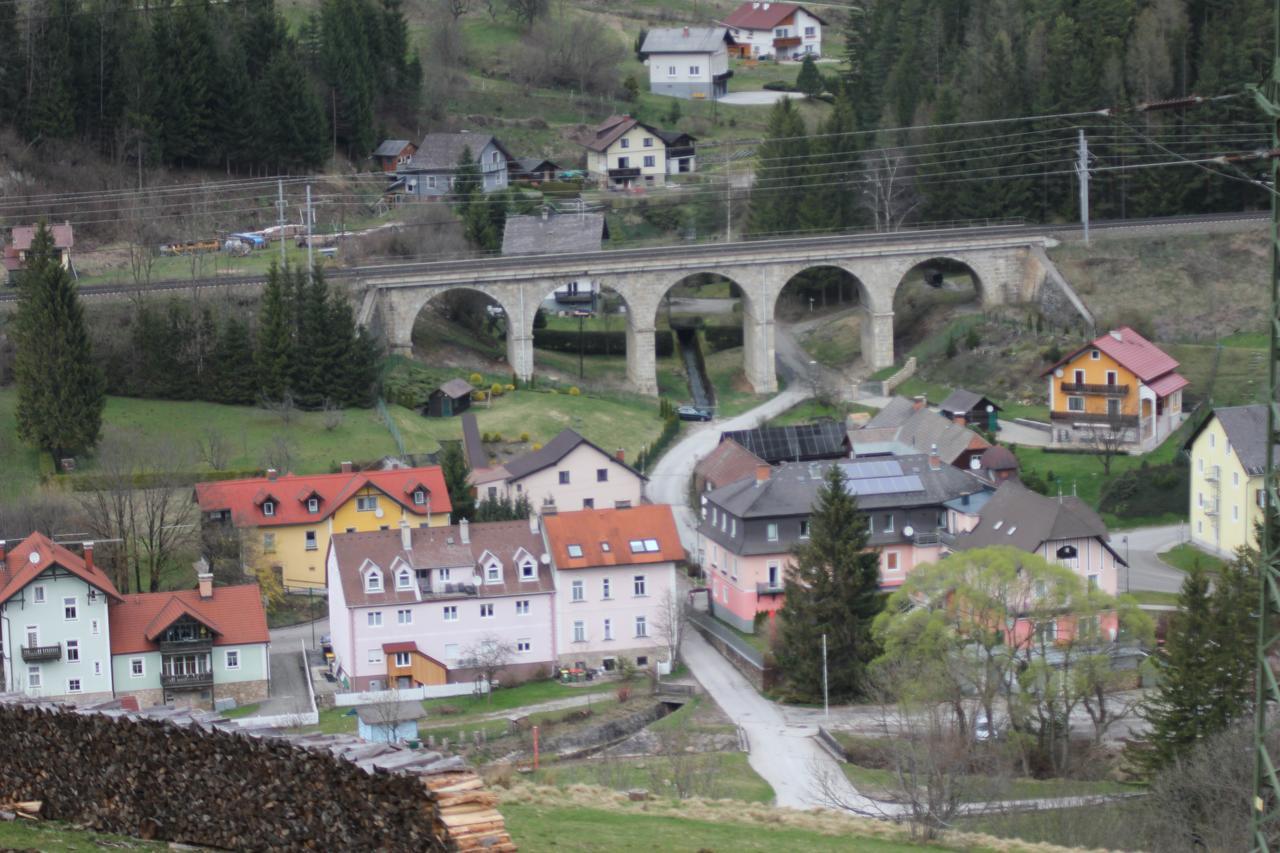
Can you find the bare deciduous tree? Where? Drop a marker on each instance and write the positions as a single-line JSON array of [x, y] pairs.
[[490, 655], [1107, 440], [571, 51], [214, 448], [887, 188], [385, 715], [669, 623], [682, 769], [279, 453], [284, 408], [333, 415]]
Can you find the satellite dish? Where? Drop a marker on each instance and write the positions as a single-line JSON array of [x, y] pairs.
[[476, 580], [908, 531], [1058, 373], [377, 512], [33, 558], [545, 559]]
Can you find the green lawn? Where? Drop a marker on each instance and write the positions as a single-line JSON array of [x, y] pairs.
[[57, 837], [573, 829], [809, 410], [1183, 557], [1239, 377], [732, 779], [530, 693], [242, 711], [1147, 596], [870, 780]]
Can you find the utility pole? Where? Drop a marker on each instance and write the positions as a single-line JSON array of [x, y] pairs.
[[826, 705], [728, 200], [311, 266], [1082, 172], [280, 218]]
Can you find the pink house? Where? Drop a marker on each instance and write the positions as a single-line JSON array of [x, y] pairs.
[[568, 473], [406, 606], [615, 578]]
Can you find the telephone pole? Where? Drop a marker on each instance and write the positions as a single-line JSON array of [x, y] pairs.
[[1082, 172], [311, 267], [280, 218]]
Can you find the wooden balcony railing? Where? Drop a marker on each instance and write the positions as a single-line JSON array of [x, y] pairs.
[[1089, 388], [186, 679], [30, 654]]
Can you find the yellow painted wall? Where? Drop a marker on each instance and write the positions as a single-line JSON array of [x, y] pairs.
[[1095, 373], [1238, 513]]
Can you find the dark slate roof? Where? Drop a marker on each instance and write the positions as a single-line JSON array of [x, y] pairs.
[[439, 151], [1246, 429], [537, 164], [792, 488], [675, 138], [921, 429], [552, 452], [390, 147], [962, 400], [457, 388], [800, 442], [568, 233], [1025, 519], [684, 40]]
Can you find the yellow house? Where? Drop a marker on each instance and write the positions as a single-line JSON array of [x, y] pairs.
[[286, 520], [1118, 382], [623, 152], [1228, 461]]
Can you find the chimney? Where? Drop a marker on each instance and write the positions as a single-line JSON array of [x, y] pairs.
[[464, 531], [762, 473], [533, 523], [620, 454], [1115, 333], [205, 582], [919, 402], [4, 550], [347, 467], [406, 535], [271, 473], [935, 461], [88, 555], [959, 418]]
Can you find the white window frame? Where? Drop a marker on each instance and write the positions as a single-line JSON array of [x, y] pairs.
[[577, 591], [695, 70], [524, 645], [402, 656], [73, 685], [366, 503], [804, 528], [450, 613], [35, 677], [608, 629], [574, 550], [94, 627], [671, 72], [493, 573], [419, 497], [373, 619], [650, 161], [269, 508], [640, 586], [37, 594], [771, 531], [404, 616], [522, 607], [231, 659], [373, 581], [313, 505], [312, 540], [605, 590], [486, 610], [73, 651], [642, 627], [71, 604], [137, 667], [1075, 404], [528, 571], [404, 580], [579, 631]]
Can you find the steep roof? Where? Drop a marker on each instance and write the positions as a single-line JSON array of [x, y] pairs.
[[37, 554], [391, 147], [728, 463], [1017, 516], [684, 40], [24, 235], [1246, 429], [439, 548], [1130, 350], [244, 498], [999, 458], [568, 233], [920, 429], [442, 151], [819, 440], [614, 537], [600, 137], [234, 613], [758, 15], [552, 452], [963, 400], [537, 164]]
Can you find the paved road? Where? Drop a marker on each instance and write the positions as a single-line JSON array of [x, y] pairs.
[[282, 638], [1146, 570], [761, 98], [288, 691]]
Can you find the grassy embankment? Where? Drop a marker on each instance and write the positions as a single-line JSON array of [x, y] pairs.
[[1185, 556]]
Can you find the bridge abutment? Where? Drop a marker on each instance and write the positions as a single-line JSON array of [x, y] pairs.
[[642, 365]]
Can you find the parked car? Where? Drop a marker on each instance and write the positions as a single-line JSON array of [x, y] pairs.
[[693, 413], [984, 730]]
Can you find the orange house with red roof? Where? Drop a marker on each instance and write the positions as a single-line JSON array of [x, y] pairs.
[[286, 520], [1118, 383]]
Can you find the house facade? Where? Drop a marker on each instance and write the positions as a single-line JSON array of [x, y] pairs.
[[568, 473], [431, 171], [394, 153], [780, 30], [1118, 384], [622, 153], [688, 62], [191, 647], [915, 505], [409, 607], [285, 521], [14, 256], [615, 578], [1228, 468]]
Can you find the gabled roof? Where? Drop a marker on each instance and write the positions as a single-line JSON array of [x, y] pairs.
[[456, 388], [685, 40], [608, 131], [962, 400], [234, 613], [556, 234], [244, 497], [537, 164], [552, 452], [1246, 429], [759, 15], [606, 537], [799, 442], [37, 554], [391, 147], [1130, 350], [24, 235], [1024, 519], [728, 463], [919, 429], [442, 151]]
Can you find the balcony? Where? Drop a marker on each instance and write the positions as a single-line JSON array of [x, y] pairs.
[[770, 589], [33, 654], [783, 42], [1101, 419], [186, 680], [446, 590], [1087, 388], [192, 646], [622, 174]]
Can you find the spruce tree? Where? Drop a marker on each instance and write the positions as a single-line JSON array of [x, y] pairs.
[[782, 163], [832, 588], [60, 388], [809, 81], [233, 381], [274, 353], [454, 465], [314, 362]]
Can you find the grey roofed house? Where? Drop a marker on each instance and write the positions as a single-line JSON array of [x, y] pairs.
[[442, 151], [390, 714], [684, 40], [905, 426], [552, 452], [797, 443], [1025, 520], [1246, 429], [537, 168], [969, 403], [555, 234]]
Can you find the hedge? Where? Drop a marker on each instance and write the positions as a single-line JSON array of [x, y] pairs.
[[723, 337], [598, 343], [650, 454]]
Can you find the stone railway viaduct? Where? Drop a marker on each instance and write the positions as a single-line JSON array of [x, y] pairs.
[[1009, 266]]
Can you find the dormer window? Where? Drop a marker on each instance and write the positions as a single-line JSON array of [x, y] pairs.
[[419, 497], [373, 581], [404, 580], [527, 570], [493, 573], [268, 508], [313, 505]]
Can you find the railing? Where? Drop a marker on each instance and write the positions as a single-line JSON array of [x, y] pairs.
[[1089, 388], [932, 538], [186, 679], [786, 41], [38, 653], [769, 589], [625, 172], [196, 644], [1100, 419], [427, 588]]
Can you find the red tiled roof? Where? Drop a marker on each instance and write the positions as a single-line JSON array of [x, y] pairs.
[[25, 235], [172, 611], [234, 613], [759, 15], [1131, 351], [392, 648], [1167, 384], [594, 529], [290, 491], [728, 463], [37, 553]]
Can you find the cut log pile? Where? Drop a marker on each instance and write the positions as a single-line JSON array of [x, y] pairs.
[[192, 777]]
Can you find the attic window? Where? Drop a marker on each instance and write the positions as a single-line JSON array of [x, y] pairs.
[[268, 508], [526, 569], [419, 497], [637, 546], [313, 505], [641, 546], [493, 573], [373, 581], [998, 524], [1095, 355], [575, 550], [403, 579]]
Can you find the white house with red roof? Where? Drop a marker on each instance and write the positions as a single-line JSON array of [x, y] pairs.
[[1119, 384], [781, 30]]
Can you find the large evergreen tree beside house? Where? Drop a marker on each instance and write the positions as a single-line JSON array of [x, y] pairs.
[[61, 391], [832, 588], [782, 165]]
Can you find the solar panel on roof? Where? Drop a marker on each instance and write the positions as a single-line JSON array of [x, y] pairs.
[[873, 468], [885, 485]]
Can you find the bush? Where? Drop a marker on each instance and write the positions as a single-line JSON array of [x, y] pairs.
[[508, 388], [1052, 354], [495, 390], [497, 436], [524, 437], [1148, 491], [476, 379], [597, 342], [723, 337], [779, 86], [537, 446], [574, 391]]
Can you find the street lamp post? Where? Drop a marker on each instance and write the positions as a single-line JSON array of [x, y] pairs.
[[1127, 569], [826, 705]]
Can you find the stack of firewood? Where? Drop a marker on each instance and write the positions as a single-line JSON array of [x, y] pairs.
[[467, 814], [25, 809]]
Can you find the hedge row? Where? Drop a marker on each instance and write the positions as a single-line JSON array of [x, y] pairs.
[[723, 337], [598, 343]]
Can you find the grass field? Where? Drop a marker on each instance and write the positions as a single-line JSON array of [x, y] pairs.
[[57, 837], [732, 777], [870, 780], [1239, 377], [1183, 557]]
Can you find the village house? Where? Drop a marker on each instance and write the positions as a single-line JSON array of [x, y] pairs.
[[14, 256], [688, 62], [535, 169], [914, 505], [623, 152], [393, 153], [970, 407], [191, 647], [568, 472], [431, 171], [728, 463], [1118, 386], [909, 426], [559, 234], [778, 30], [615, 583], [285, 521], [409, 607], [1228, 478]]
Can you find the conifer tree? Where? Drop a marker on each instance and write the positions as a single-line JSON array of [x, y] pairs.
[[832, 588], [454, 465], [233, 381], [60, 387], [315, 362], [782, 161], [809, 81], [274, 353]]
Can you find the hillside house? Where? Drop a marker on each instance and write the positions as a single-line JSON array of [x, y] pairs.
[[615, 583], [451, 398], [535, 169], [431, 171], [1119, 384], [623, 153], [778, 30], [14, 256], [909, 426], [407, 605], [568, 472], [970, 408], [688, 62], [728, 463], [559, 234], [286, 520], [393, 153], [1228, 476]]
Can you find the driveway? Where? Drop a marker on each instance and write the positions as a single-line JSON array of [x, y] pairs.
[[760, 98], [1147, 571], [287, 693], [282, 638]]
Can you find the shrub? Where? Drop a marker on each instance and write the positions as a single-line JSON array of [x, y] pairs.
[[479, 396], [573, 391], [495, 390], [524, 436], [723, 337], [624, 693], [509, 388], [485, 438], [476, 379], [497, 436], [537, 446], [1052, 353], [626, 668], [779, 86]]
